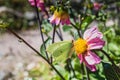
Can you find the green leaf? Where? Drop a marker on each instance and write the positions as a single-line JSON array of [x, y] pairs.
[[46, 27], [110, 72], [60, 50], [107, 32], [66, 28]]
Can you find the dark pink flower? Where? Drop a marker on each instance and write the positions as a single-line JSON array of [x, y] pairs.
[[92, 39], [96, 6], [60, 17], [40, 4]]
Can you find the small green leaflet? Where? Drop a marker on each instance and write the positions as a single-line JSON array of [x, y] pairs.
[[66, 28], [60, 50], [3, 24]]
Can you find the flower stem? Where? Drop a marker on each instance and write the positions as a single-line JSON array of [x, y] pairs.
[[36, 52], [74, 26], [68, 67], [78, 30], [39, 24], [82, 71], [53, 36], [88, 77], [59, 35], [79, 33], [108, 57], [74, 75], [71, 67]]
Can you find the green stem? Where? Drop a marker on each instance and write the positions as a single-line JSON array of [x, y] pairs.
[[53, 36], [71, 67], [88, 77], [78, 30], [82, 71], [60, 36], [39, 24], [108, 57]]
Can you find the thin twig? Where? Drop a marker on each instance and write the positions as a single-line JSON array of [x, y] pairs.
[[36, 52], [79, 33], [78, 30], [68, 68], [59, 36], [39, 24], [82, 71], [74, 25], [88, 77], [53, 36], [74, 75], [108, 57]]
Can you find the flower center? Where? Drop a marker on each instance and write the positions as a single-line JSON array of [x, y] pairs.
[[61, 14], [80, 46], [57, 14]]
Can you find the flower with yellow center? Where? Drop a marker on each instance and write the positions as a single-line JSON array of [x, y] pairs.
[[92, 39], [60, 16], [80, 46]]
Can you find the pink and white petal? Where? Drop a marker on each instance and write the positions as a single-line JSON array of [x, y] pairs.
[[95, 35], [91, 67], [51, 18], [33, 4], [80, 56], [95, 43], [53, 22], [88, 32], [91, 58], [92, 33], [57, 21]]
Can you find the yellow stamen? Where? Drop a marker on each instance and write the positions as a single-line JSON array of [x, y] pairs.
[[61, 14], [57, 14], [80, 46]]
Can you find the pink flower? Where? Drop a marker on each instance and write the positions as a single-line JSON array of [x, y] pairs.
[[96, 6], [92, 39], [40, 4], [60, 17]]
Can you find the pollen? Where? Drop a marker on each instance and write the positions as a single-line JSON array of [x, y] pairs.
[[57, 13], [62, 14], [80, 46]]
